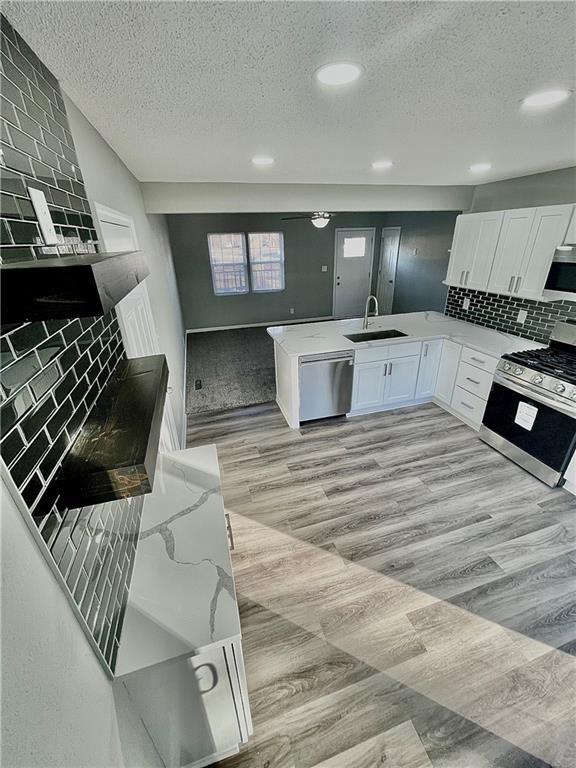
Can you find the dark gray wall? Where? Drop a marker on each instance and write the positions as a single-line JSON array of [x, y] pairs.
[[422, 259], [308, 289], [550, 188]]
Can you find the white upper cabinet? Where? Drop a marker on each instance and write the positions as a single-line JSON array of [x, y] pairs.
[[473, 249], [512, 244], [547, 233], [509, 252]]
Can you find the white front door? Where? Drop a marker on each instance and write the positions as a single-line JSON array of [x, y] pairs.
[[134, 313], [389, 247], [353, 254]]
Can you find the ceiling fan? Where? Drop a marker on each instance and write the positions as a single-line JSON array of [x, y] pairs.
[[320, 219]]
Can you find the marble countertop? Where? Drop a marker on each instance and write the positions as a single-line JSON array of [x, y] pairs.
[[329, 336], [182, 595]]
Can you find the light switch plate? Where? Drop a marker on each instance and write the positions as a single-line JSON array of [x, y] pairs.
[[324, 268], [522, 315], [43, 215], [466, 303]]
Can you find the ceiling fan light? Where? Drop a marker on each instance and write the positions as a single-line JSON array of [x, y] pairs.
[[320, 221]]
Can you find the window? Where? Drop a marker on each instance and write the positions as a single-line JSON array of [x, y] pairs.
[[354, 247], [266, 261], [228, 263]]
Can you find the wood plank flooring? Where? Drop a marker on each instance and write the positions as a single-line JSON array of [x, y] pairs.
[[407, 594]]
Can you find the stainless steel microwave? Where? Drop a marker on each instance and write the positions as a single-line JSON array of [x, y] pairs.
[[562, 275]]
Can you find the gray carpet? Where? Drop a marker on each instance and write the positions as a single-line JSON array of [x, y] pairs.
[[236, 368]]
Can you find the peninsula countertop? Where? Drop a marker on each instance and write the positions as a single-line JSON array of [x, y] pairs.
[[330, 336]]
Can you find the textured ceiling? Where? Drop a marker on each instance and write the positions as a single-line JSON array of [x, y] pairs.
[[190, 91]]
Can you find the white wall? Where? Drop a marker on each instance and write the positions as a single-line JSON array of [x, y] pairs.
[[59, 710], [110, 183], [168, 197]]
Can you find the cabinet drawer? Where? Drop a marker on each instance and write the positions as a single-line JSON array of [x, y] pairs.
[[479, 359], [370, 354], [470, 406], [386, 352], [405, 349], [474, 380]]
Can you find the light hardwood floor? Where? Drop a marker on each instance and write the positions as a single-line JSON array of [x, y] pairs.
[[407, 594]]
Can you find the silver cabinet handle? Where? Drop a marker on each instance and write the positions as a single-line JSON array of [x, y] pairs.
[[229, 530], [466, 277], [390, 369], [511, 284], [472, 380], [425, 350], [518, 281], [466, 405], [462, 277], [478, 360]]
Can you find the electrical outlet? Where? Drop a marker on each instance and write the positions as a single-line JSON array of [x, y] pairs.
[[324, 268], [466, 303], [198, 384], [522, 315], [291, 310]]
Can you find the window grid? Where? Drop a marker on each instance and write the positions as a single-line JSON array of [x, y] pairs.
[[266, 253], [228, 263]]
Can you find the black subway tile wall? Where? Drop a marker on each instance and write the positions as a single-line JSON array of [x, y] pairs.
[[52, 372], [501, 312]]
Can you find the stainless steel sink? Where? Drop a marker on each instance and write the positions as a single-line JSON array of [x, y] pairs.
[[374, 335]]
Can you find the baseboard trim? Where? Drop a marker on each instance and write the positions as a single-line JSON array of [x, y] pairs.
[[260, 325]]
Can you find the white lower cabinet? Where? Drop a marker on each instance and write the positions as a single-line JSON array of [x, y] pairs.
[[388, 381], [400, 380], [191, 708], [368, 390], [456, 377], [429, 365], [448, 370]]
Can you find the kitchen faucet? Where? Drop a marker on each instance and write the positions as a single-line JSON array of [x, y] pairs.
[[365, 323]]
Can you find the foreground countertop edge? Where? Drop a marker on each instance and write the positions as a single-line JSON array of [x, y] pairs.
[[329, 336]]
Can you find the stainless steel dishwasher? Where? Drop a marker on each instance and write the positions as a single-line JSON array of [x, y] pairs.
[[325, 384]]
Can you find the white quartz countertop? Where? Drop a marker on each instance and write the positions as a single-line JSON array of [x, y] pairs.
[[182, 594], [329, 336]]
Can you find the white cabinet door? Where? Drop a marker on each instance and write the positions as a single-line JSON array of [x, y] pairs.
[[548, 232], [447, 371], [512, 243], [461, 244], [570, 237], [401, 377], [428, 371], [368, 391], [473, 249]]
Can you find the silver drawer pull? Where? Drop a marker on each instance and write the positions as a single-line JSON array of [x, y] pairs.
[[472, 380], [478, 360], [511, 284], [466, 405]]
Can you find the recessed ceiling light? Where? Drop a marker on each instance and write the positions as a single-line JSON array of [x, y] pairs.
[[262, 160], [480, 167], [546, 98], [382, 165], [339, 73]]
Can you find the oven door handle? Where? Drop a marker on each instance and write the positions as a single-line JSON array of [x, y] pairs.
[[539, 397]]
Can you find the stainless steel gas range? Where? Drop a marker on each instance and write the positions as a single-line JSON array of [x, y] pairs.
[[530, 416]]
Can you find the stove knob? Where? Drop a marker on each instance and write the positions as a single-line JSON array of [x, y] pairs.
[[537, 379], [559, 388], [573, 394], [518, 371], [507, 366]]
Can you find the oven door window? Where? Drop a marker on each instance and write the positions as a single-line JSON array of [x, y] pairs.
[[562, 277], [551, 438]]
